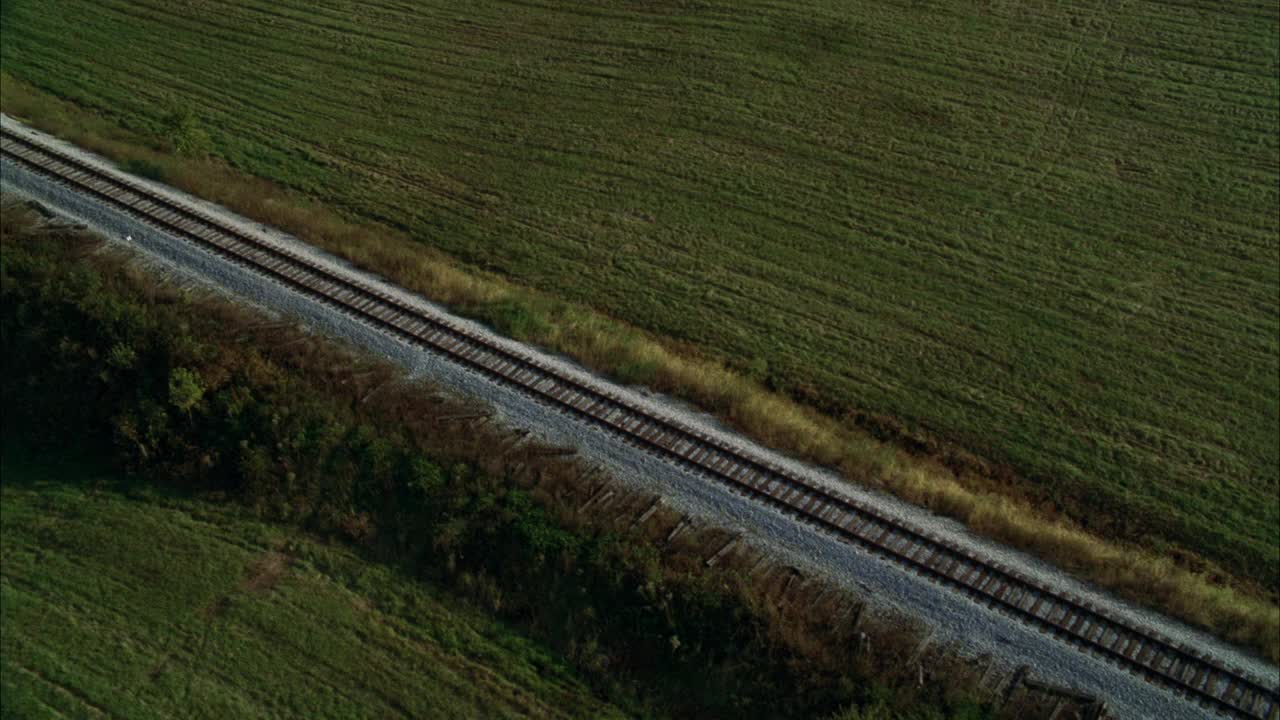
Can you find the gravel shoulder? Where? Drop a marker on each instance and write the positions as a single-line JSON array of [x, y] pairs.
[[883, 584]]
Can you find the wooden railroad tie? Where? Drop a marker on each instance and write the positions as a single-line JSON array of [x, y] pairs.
[[273, 325], [552, 452], [920, 648], [287, 343], [1059, 691], [462, 417], [783, 601], [360, 376], [648, 513], [270, 325], [1004, 690], [51, 228], [679, 528], [722, 551], [512, 441], [986, 673], [766, 572], [852, 614], [41, 209], [607, 500], [585, 474], [365, 398], [862, 643], [602, 494], [519, 469]]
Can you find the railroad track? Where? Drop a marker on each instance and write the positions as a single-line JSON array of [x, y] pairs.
[[1158, 659]]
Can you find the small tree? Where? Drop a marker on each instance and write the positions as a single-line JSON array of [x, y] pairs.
[[185, 133], [122, 356], [184, 389]]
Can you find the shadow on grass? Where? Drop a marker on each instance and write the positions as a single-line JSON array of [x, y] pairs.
[[32, 465]]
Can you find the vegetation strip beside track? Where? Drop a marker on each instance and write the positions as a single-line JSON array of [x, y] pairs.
[[1182, 669]]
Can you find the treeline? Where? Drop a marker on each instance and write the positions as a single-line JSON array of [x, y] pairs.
[[188, 390]]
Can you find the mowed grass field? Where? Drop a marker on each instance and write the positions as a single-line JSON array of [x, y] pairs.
[[1044, 231], [120, 601]]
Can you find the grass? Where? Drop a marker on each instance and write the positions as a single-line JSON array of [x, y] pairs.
[[989, 230], [120, 600]]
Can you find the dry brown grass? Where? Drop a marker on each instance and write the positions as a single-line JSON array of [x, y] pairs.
[[265, 573], [1235, 610]]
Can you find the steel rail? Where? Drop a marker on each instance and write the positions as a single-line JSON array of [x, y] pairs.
[[1158, 659]]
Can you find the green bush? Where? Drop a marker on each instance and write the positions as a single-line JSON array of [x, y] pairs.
[[184, 389], [144, 168], [184, 133]]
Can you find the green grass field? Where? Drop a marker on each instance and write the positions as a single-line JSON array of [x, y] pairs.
[[120, 601], [1044, 231]]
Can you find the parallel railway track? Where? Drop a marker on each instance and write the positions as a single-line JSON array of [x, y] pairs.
[[1158, 659]]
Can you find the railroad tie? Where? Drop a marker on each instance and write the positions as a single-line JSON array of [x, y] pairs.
[[462, 417], [920, 647], [606, 501], [986, 672], [783, 602], [648, 513], [552, 452], [1005, 689], [516, 438], [679, 528], [602, 491], [711, 561]]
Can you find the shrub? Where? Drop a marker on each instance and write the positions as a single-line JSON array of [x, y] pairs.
[[184, 133], [184, 389]]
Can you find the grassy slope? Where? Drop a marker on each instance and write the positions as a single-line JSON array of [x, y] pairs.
[[1046, 232], [122, 601]]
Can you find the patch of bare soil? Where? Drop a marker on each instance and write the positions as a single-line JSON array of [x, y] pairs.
[[266, 572]]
